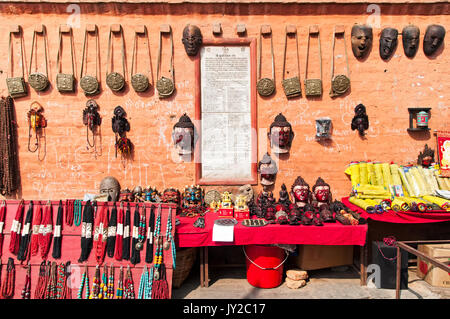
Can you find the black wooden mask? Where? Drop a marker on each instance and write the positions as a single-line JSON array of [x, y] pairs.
[[388, 42], [360, 121]]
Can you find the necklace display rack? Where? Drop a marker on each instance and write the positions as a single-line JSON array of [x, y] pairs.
[[38, 278]]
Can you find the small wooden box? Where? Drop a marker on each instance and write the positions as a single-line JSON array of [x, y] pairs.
[[226, 212], [241, 214]]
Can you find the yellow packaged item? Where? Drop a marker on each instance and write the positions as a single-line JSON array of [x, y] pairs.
[[442, 202], [407, 188], [353, 171], [363, 176], [371, 177], [386, 174], [361, 203], [378, 174]]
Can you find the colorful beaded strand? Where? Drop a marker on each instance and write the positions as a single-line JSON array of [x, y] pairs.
[[110, 291], [169, 237], [119, 291]]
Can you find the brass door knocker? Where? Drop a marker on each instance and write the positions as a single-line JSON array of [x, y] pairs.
[[265, 86], [90, 83], [313, 87], [341, 82], [16, 85], [139, 81], [38, 80], [65, 82], [115, 80], [164, 85], [291, 86]]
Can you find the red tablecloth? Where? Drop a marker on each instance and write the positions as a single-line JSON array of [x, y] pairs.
[[400, 217], [330, 234]]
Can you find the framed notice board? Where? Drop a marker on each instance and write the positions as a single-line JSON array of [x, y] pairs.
[[225, 112]]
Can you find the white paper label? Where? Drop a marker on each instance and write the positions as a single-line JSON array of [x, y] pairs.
[[223, 233]]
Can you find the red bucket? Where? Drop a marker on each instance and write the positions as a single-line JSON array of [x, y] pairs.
[[264, 265]]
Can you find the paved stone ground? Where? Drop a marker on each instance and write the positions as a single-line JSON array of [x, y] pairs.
[[331, 283]]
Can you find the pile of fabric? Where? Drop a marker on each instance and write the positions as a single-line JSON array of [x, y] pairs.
[[384, 186]]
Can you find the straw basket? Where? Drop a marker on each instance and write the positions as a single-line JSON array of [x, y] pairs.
[[185, 260]]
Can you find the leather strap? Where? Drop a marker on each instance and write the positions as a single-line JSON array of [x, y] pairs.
[[10, 53], [85, 55], [259, 55], [346, 56], [158, 67], [44, 34], [110, 49], [285, 52], [59, 57], [134, 56], [307, 55]]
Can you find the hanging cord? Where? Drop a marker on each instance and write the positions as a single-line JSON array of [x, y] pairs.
[[86, 232], [84, 284], [57, 236], [46, 230], [150, 231], [15, 229], [26, 234], [101, 234], [129, 285], [26, 291], [37, 218], [2, 224], [119, 290], [119, 234], [112, 229], [126, 234], [8, 284]]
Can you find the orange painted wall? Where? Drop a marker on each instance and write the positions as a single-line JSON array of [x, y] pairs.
[[387, 89]]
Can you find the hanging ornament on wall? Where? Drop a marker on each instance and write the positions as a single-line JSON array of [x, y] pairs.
[[360, 121], [388, 42], [90, 83], [339, 83], [164, 85], [265, 86], [92, 120], [362, 37], [38, 80], [140, 81], [16, 84], [183, 135], [291, 86], [323, 128], [192, 39], [36, 125], [65, 82], [280, 135], [313, 87], [267, 168], [433, 39], [120, 127], [115, 80], [410, 40]]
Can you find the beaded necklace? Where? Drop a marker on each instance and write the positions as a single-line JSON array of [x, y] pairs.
[[35, 234], [143, 284], [41, 285], [135, 256], [69, 211], [15, 229], [104, 283], [50, 293], [25, 236], [84, 283], [126, 234], [141, 230], [110, 290], [2, 224], [46, 230], [157, 261], [56, 253], [77, 212], [119, 234], [101, 234], [129, 286], [86, 232], [95, 291], [112, 229], [169, 238], [119, 291], [151, 228], [26, 291], [9, 281], [60, 282], [68, 289]]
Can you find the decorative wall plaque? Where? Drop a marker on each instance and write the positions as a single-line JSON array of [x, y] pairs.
[[165, 85], [339, 83], [89, 83], [265, 86], [291, 85], [226, 107], [65, 82], [115, 80], [139, 81], [313, 87], [36, 79], [16, 85]]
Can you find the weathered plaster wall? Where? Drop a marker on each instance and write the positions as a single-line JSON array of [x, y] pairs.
[[387, 89]]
